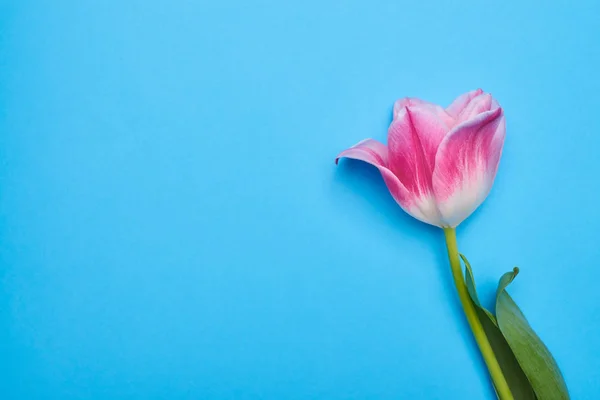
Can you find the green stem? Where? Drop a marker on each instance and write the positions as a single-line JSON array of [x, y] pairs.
[[502, 389]]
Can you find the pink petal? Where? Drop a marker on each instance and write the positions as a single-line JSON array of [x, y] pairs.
[[376, 154], [466, 165], [461, 102], [476, 106], [413, 139], [369, 150], [401, 104], [442, 114]]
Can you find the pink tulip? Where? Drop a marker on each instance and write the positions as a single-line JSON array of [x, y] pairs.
[[439, 164]]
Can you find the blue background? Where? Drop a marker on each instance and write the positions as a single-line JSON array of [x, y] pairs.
[[172, 224]]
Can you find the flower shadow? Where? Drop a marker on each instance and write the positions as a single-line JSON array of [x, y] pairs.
[[366, 181]]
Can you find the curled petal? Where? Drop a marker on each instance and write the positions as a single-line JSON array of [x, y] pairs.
[[466, 165], [368, 150], [461, 102], [376, 154]]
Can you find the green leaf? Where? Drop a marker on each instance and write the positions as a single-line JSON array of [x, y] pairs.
[[470, 281], [533, 356], [519, 385]]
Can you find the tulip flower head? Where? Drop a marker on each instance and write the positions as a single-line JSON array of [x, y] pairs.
[[439, 164]]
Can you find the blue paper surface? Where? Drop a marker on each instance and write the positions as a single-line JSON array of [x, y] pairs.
[[173, 226]]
